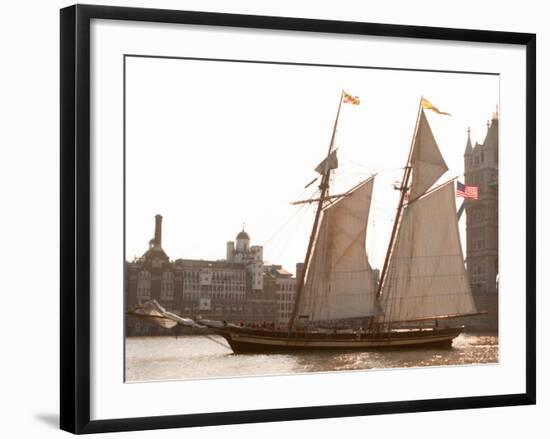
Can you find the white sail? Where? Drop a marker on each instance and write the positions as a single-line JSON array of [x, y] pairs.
[[426, 159], [339, 281], [426, 275]]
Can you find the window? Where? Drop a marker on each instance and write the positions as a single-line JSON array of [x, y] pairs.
[[479, 244], [144, 285], [477, 214], [167, 286]]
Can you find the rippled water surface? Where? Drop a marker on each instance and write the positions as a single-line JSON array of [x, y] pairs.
[[167, 358]]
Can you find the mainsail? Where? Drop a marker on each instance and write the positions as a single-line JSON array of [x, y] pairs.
[[426, 275], [339, 281]]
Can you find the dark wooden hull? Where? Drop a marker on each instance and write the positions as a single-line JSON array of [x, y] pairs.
[[244, 340]]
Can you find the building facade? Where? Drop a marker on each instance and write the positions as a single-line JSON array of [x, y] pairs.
[[238, 289], [283, 286], [481, 169]]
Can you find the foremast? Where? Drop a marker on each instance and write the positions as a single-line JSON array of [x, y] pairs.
[[323, 187]]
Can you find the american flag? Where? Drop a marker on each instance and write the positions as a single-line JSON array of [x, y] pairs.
[[465, 191]]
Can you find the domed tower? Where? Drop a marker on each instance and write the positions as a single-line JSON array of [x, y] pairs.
[[243, 241]]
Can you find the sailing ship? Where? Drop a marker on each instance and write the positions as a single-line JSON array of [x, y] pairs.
[[339, 304]]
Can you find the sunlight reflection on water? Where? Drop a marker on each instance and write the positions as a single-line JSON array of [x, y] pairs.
[[168, 358]]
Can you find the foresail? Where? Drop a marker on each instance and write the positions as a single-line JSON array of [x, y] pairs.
[[339, 282], [426, 159], [426, 274]]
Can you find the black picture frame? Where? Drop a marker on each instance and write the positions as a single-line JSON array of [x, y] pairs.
[[75, 217]]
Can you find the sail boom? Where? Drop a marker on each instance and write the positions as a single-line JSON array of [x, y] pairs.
[[440, 317], [313, 200], [409, 202], [335, 196]]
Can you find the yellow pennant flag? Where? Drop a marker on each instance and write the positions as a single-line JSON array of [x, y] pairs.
[[427, 105], [349, 99]]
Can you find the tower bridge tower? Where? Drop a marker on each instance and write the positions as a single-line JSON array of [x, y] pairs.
[[481, 169]]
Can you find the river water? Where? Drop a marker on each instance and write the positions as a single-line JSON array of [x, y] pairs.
[[199, 356]]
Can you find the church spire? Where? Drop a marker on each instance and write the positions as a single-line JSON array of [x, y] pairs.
[[469, 148]]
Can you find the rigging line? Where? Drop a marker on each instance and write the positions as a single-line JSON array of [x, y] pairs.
[[293, 216], [379, 171], [286, 221], [388, 207], [279, 248]]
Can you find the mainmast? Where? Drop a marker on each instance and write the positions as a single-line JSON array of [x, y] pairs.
[[323, 186], [404, 188]]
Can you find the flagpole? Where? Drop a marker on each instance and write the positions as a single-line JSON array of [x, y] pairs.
[[323, 186], [404, 189]]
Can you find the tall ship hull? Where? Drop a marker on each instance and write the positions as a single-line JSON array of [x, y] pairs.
[[260, 341]]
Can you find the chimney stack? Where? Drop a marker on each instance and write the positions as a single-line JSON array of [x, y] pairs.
[[158, 230]]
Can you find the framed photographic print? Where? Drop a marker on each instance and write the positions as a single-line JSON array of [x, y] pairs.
[[285, 218]]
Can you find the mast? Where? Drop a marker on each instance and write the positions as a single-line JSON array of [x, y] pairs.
[[323, 186], [404, 188]]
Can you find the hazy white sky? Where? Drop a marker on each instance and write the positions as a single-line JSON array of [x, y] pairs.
[[210, 145]]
